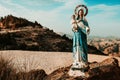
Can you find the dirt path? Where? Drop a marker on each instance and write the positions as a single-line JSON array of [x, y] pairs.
[[49, 61]]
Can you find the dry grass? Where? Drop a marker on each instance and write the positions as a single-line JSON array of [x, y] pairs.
[[6, 69], [48, 61], [8, 72], [27, 65]]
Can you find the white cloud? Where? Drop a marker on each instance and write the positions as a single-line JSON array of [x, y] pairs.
[[101, 17], [105, 7], [38, 2], [61, 0], [5, 11], [71, 4], [105, 21]]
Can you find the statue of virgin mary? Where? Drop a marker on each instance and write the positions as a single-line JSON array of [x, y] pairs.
[[80, 29]]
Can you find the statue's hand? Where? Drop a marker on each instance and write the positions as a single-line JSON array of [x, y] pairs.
[[75, 27], [88, 30]]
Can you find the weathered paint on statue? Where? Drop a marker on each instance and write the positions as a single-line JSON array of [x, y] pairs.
[[80, 29]]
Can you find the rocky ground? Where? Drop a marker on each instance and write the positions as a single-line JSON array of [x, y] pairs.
[[105, 70], [57, 64], [106, 45]]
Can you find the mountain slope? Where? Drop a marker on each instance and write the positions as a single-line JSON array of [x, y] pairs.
[[21, 34], [26, 35]]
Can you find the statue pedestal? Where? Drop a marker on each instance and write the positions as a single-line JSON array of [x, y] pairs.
[[78, 69], [76, 73]]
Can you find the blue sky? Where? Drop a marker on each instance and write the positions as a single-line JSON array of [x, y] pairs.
[[103, 16], [107, 2]]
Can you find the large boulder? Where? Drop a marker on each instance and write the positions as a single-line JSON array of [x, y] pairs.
[[31, 75], [105, 70]]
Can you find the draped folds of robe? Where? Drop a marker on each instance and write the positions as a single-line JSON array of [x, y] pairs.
[[80, 39]]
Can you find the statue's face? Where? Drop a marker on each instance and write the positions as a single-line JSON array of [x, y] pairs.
[[81, 13]]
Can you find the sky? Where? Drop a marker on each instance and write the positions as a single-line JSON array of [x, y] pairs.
[[103, 15]]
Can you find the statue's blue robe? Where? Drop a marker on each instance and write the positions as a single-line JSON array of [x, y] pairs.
[[80, 39]]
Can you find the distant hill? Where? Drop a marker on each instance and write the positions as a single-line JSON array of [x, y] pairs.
[[13, 22], [109, 46], [21, 34]]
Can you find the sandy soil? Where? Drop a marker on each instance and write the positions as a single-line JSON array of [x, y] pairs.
[[49, 61]]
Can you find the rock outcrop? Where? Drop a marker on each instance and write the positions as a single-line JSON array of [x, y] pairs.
[[107, 46], [12, 22], [31, 75], [105, 70]]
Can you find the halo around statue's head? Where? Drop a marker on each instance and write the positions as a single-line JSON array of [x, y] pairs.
[[81, 6]]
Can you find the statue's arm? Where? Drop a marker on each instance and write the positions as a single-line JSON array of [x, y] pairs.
[[87, 27]]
